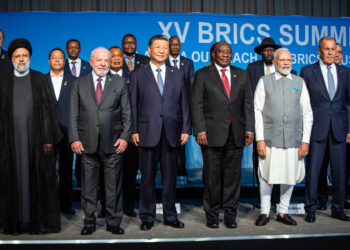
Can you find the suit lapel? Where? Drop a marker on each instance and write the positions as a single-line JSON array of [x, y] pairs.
[[64, 86], [217, 79], [51, 87], [107, 88], [319, 76], [340, 80], [234, 78], [92, 88], [168, 76], [150, 76]]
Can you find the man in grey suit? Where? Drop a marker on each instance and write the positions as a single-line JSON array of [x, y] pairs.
[[99, 130]]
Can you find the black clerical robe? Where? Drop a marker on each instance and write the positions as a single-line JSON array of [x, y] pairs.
[[43, 201]]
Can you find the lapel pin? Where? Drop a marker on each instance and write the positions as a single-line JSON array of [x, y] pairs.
[[3, 57], [182, 64], [171, 70], [127, 81], [109, 79], [234, 76], [65, 83]]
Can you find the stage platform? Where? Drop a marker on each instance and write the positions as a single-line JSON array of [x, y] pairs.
[[325, 233]]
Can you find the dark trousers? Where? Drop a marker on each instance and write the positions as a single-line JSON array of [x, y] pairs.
[[130, 166], [275, 195], [315, 159], [112, 165], [222, 179], [65, 171], [322, 188], [149, 158], [181, 161], [77, 169]]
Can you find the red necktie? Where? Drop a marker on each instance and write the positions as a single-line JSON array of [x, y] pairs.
[[99, 90], [225, 82]]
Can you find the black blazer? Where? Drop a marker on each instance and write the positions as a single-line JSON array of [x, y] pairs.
[[5, 62], [186, 66], [211, 108], [62, 104], [85, 67], [255, 71], [140, 60]]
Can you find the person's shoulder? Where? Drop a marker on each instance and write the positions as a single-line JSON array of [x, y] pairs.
[[237, 69], [185, 59], [142, 57], [310, 66], [255, 64]]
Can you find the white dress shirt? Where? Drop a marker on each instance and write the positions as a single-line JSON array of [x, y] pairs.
[[227, 72], [171, 60], [119, 73], [325, 74], [272, 68], [56, 83], [77, 65], [162, 72], [95, 78]]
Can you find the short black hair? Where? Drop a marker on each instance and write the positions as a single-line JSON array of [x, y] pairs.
[[157, 37], [72, 40], [126, 35], [324, 38], [115, 47], [54, 49]]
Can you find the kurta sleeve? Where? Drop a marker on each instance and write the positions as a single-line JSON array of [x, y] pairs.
[[259, 102], [307, 114]]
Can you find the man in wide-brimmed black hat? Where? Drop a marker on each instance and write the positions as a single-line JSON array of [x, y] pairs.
[[255, 71]]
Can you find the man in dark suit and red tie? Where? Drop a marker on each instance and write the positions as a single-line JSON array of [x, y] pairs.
[[161, 123], [60, 83], [99, 130], [223, 123], [328, 86]]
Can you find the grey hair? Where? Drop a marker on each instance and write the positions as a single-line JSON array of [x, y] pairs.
[[278, 50], [100, 48]]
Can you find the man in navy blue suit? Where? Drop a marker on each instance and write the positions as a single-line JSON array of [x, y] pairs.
[[161, 123], [60, 84], [74, 64], [328, 86], [186, 66]]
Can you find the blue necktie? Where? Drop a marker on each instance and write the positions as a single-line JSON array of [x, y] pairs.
[[331, 84], [160, 81]]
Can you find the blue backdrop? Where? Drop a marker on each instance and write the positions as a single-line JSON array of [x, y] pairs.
[[197, 32]]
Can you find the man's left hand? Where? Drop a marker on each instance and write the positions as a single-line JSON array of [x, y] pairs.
[[249, 137], [303, 150], [184, 138], [121, 146], [348, 138], [48, 148]]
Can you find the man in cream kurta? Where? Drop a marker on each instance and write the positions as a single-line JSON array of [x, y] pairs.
[[283, 121]]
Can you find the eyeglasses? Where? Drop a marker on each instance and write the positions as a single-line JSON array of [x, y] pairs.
[[21, 55]]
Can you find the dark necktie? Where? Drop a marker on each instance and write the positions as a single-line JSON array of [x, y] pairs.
[[175, 64], [99, 90], [331, 84], [160, 81], [130, 66], [74, 69], [225, 82]]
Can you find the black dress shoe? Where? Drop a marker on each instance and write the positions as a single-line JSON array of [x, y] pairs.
[[115, 230], [11, 231], [36, 229], [231, 224], [130, 212], [212, 224], [310, 217], [347, 204], [286, 219], [146, 226], [262, 220], [340, 216], [175, 223], [88, 230], [68, 211]]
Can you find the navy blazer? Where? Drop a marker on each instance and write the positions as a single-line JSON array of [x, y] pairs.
[[85, 67], [327, 112], [256, 71], [62, 104], [151, 110], [140, 60], [5, 62], [186, 66]]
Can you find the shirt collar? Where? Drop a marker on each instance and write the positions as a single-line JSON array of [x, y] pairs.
[[95, 76], [53, 75], [279, 76], [21, 74], [219, 67], [172, 58], [70, 60], [153, 67], [324, 65]]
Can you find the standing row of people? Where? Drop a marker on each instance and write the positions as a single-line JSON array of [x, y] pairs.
[[121, 97]]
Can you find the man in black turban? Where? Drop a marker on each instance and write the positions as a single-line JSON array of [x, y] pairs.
[[28, 133]]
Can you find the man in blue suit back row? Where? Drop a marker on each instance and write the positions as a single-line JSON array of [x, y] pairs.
[[328, 86], [161, 123]]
